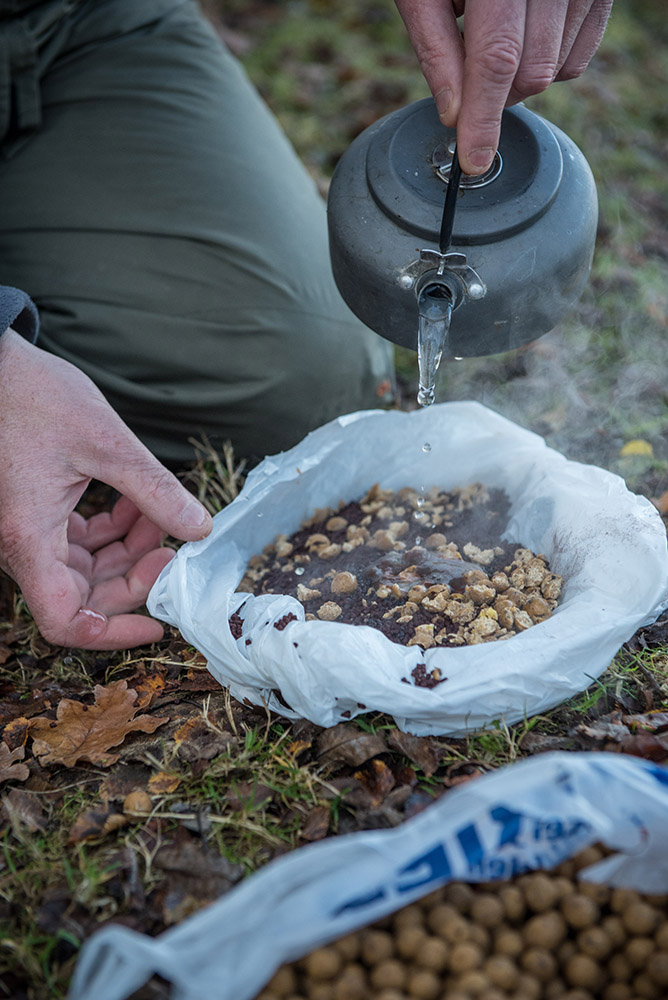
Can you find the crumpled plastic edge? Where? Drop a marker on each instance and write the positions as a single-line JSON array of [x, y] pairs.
[[527, 815]]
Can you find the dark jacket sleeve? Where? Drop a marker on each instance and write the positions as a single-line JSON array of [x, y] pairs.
[[18, 311]]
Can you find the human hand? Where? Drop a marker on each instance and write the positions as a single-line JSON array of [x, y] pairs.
[[512, 49], [80, 577]]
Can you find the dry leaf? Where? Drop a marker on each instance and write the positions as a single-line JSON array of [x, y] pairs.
[[148, 687], [85, 732], [163, 783], [95, 823], [422, 750], [377, 779], [317, 824], [24, 809], [346, 744], [9, 769], [16, 732]]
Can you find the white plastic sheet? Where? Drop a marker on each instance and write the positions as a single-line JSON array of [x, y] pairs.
[[533, 814], [609, 545]]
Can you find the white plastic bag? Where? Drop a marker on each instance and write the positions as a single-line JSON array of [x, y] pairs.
[[533, 814], [609, 545]]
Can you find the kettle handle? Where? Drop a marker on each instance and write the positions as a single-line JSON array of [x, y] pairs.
[[448, 220]]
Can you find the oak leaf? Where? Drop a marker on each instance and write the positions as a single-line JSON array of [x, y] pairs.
[[85, 732], [9, 768]]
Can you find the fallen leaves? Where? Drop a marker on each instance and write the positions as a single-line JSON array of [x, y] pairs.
[[86, 732], [10, 770], [346, 744]]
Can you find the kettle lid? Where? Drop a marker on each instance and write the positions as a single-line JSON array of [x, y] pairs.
[[407, 165]]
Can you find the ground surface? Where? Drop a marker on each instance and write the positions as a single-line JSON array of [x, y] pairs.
[[218, 788]]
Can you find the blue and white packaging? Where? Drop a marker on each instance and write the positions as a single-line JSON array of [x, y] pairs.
[[532, 814]]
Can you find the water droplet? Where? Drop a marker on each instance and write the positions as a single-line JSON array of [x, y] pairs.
[[419, 515], [426, 446], [420, 501], [259, 514], [299, 571], [457, 358], [418, 540]]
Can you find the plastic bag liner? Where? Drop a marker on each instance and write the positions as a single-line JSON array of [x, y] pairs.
[[534, 814], [608, 544]]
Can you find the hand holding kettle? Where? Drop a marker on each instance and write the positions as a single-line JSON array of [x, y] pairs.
[[509, 51]]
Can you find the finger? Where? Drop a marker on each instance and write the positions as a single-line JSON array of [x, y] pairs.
[[94, 532], [119, 459], [543, 35], [125, 593], [432, 29], [119, 557], [587, 41], [494, 45]]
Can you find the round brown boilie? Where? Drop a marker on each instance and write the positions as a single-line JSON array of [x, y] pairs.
[[319, 989], [617, 991], [283, 982], [620, 968], [487, 910], [390, 994], [594, 941], [376, 946], [540, 963], [454, 931], [581, 970], [512, 899], [540, 892], [501, 972], [408, 940], [410, 916], [621, 898], [614, 928], [597, 891], [529, 986], [587, 856], [578, 994], [563, 886], [661, 936], [657, 967], [640, 919], [465, 957], [441, 916], [554, 990], [645, 988], [348, 947], [460, 895], [433, 954], [545, 930], [351, 984], [508, 941], [638, 950], [565, 950], [474, 982], [389, 973], [580, 911], [423, 984], [480, 935], [324, 963]]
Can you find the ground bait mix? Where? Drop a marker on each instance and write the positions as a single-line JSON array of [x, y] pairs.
[[541, 936], [426, 570]]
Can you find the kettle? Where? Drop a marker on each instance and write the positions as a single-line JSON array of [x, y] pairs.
[[522, 235]]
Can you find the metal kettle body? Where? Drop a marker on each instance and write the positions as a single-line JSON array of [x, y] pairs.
[[523, 236]]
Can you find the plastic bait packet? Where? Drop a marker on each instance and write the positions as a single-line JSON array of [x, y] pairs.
[[607, 543], [532, 814]]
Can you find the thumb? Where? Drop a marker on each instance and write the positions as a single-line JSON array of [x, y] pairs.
[[137, 474]]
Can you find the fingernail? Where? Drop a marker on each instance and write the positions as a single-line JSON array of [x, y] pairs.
[[92, 614], [443, 99], [481, 158], [194, 515]]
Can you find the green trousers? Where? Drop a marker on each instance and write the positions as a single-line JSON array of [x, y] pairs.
[[174, 244]]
